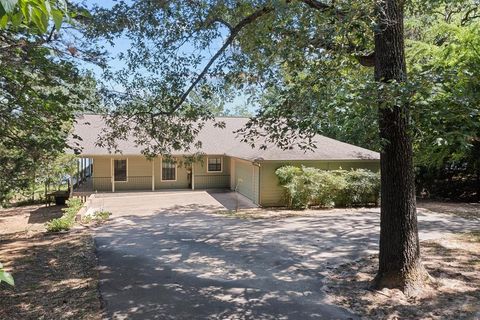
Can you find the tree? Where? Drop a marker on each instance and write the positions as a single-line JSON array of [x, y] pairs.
[[41, 89], [262, 48], [399, 259]]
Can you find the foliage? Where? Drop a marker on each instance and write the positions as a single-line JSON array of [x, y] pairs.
[[307, 186], [101, 215], [98, 216], [218, 50], [6, 277], [67, 220], [42, 88], [34, 14]]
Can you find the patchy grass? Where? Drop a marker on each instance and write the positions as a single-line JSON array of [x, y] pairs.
[[55, 276], [454, 263]]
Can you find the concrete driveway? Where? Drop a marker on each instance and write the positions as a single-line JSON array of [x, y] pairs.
[[181, 261]]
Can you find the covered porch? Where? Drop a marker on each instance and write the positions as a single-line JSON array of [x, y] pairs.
[[111, 174]]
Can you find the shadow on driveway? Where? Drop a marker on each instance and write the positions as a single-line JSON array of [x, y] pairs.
[[182, 263]]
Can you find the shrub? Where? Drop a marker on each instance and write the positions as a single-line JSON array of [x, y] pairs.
[[363, 187], [292, 179], [307, 186], [67, 220]]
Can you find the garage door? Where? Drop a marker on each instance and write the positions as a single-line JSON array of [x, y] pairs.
[[246, 179]]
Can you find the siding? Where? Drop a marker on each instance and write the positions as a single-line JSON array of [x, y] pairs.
[[139, 174], [212, 180], [272, 194], [182, 181], [101, 177]]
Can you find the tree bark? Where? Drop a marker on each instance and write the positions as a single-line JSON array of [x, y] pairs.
[[399, 260]]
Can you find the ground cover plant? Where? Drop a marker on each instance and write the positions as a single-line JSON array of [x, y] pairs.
[[66, 221]]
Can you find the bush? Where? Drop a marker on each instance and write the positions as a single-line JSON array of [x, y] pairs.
[[292, 179], [67, 220], [307, 186]]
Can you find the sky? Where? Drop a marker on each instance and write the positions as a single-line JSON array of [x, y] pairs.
[[121, 44]]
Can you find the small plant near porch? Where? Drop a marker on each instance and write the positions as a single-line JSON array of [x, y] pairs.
[[67, 221]]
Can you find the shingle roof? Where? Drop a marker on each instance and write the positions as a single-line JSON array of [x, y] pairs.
[[224, 141]]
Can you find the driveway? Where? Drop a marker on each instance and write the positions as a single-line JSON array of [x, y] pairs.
[[179, 260]]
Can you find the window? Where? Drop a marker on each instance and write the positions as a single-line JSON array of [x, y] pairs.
[[169, 170], [120, 170], [214, 164]]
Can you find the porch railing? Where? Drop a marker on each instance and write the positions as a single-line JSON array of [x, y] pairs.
[[104, 184], [210, 181], [94, 184], [134, 183]]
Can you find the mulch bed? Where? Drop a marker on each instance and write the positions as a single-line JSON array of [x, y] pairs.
[[55, 276]]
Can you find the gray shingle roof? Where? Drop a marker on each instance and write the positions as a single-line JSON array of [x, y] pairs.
[[224, 141]]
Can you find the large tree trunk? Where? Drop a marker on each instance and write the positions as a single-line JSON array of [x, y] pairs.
[[399, 261]]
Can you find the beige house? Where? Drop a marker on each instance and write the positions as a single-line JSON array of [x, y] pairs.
[[226, 163]]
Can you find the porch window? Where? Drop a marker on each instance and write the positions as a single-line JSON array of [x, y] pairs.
[[120, 170], [169, 171], [214, 164]]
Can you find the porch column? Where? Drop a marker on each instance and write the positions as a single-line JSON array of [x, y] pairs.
[[153, 174], [112, 175], [78, 171], [193, 176]]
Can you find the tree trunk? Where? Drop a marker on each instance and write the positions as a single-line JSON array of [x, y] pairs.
[[399, 260]]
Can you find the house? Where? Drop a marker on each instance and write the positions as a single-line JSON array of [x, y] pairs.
[[225, 163]]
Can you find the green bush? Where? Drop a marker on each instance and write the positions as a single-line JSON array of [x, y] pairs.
[[292, 179], [67, 220], [307, 186]]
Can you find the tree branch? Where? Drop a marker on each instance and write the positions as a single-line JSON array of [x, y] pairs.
[[233, 33], [318, 5]]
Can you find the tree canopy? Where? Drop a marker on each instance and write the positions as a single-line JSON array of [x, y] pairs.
[[42, 88]]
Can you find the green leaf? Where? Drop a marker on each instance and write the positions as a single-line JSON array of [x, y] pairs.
[[8, 5], [3, 21], [17, 19], [6, 277], [40, 20], [57, 16]]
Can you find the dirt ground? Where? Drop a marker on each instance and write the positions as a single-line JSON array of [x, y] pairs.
[[55, 274], [453, 262], [27, 219]]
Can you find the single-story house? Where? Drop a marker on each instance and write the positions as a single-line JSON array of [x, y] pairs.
[[226, 163]]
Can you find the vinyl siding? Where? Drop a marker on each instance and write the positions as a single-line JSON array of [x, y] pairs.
[[182, 176], [212, 180], [102, 177], [139, 174], [272, 194]]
